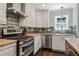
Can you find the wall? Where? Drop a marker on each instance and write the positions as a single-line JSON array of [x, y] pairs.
[[66, 11], [75, 15], [77, 18]]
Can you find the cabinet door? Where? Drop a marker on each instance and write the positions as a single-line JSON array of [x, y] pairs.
[[2, 13], [32, 16], [40, 42], [37, 43], [58, 43], [44, 18], [30, 11], [35, 49], [38, 18], [9, 50]]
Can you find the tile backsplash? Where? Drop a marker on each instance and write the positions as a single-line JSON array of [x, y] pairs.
[[12, 20]]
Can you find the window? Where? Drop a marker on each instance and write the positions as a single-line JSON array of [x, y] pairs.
[[61, 23]]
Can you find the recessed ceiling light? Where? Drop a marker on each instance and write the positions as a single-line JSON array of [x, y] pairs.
[[43, 5]]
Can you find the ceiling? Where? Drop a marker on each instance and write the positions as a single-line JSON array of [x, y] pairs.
[[53, 6]]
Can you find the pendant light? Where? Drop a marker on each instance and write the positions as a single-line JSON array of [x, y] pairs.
[[61, 18], [61, 12]]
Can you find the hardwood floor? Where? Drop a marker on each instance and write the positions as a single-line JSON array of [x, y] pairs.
[[45, 52]]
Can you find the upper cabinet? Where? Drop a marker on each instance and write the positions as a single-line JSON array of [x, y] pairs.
[[30, 11], [2, 13], [38, 18], [44, 18]]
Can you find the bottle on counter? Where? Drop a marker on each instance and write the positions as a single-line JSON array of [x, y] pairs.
[[24, 32]]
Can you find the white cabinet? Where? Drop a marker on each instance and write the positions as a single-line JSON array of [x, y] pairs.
[[30, 11], [8, 50], [58, 43], [44, 18], [2, 13], [38, 18], [30, 20], [37, 43]]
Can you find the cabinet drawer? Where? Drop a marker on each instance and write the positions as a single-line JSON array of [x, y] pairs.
[[11, 51]]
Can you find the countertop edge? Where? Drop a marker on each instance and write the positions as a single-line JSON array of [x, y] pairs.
[[5, 44]]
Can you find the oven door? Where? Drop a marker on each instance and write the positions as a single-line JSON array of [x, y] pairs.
[[26, 51]]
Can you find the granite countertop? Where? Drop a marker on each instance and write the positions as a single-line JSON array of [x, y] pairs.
[[74, 43], [4, 42], [49, 33]]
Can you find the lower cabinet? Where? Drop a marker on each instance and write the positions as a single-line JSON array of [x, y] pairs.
[[8, 50], [58, 42], [36, 48], [37, 43]]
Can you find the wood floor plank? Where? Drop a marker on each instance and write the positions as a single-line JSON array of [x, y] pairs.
[[50, 53]]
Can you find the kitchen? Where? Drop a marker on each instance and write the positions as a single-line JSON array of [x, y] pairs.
[[39, 29]]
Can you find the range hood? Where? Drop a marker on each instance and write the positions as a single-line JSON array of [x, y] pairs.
[[11, 10]]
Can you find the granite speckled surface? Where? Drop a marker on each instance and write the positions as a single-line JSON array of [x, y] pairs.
[[74, 42], [4, 42]]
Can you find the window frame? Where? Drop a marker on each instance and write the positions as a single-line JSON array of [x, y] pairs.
[[67, 23]]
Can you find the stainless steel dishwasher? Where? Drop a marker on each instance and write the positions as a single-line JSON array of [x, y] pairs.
[[47, 41]]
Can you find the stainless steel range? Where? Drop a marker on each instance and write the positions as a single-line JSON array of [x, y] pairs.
[[25, 44], [11, 32]]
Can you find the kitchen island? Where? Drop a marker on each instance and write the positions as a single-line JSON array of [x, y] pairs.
[[7, 47], [72, 46], [4, 42]]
